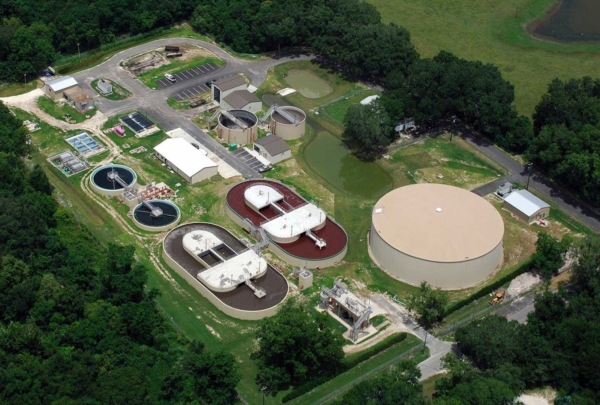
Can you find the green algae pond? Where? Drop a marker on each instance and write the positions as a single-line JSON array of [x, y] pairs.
[[330, 158], [308, 84]]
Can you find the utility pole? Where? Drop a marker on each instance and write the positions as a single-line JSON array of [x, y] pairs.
[[529, 171], [263, 389], [25, 77], [78, 53], [475, 302]]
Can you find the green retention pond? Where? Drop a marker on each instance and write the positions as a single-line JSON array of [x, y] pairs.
[[308, 84], [331, 159]]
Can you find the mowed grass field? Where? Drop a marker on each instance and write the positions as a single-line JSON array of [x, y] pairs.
[[491, 31]]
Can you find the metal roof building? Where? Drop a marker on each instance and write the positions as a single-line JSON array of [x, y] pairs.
[[526, 206], [272, 148], [223, 87], [187, 161], [447, 236], [241, 100], [55, 88]]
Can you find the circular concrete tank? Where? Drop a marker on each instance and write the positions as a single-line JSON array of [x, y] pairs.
[[104, 179], [288, 122], [168, 219], [238, 126], [447, 236]]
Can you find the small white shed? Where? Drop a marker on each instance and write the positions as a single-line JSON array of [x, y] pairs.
[[105, 86], [272, 148], [526, 206]]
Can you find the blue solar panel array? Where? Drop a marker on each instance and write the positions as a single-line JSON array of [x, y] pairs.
[[137, 122], [84, 143]]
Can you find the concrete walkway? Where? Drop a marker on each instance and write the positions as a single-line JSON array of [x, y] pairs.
[[437, 348]]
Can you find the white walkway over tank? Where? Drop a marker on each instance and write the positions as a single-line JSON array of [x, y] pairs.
[[227, 274], [296, 222], [261, 196]]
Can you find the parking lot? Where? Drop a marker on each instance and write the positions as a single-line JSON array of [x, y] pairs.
[[194, 90], [248, 159], [202, 70]]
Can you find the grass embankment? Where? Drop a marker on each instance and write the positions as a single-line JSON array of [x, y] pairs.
[[98, 56], [492, 32], [337, 110], [118, 93], [358, 373], [175, 66], [14, 89], [59, 109]]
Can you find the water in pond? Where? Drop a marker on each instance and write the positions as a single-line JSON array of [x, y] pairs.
[[572, 20], [308, 84], [330, 157]]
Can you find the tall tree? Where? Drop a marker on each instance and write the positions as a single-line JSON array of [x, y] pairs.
[[428, 304], [367, 130]]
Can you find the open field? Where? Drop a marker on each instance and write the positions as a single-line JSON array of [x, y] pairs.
[[337, 110], [59, 109], [119, 92], [14, 89], [491, 31]]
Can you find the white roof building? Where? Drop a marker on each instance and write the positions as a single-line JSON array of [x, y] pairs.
[[61, 83], [190, 163], [526, 206]]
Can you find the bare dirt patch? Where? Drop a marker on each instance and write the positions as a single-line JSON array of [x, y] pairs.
[[145, 62]]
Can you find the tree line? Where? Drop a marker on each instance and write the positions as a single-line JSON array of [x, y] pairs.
[[76, 322]]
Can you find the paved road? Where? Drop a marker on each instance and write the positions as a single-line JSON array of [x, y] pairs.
[[518, 309], [518, 173], [437, 348], [153, 102]]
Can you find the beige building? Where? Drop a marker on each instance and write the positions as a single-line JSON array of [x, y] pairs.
[[272, 148], [187, 161], [55, 88], [79, 98], [447, 236], [237, 126], [241, 100], [288, 122], [221, 88], [526, 206]]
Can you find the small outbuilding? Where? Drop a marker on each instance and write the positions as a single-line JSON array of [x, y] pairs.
[[241, 100], [405, 125], [273, 148], [79, 98], [526, 206], [55, 88], [222, 88], [105, 86], [187, 161]]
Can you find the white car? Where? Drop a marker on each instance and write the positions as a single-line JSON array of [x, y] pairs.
[[170, 77]]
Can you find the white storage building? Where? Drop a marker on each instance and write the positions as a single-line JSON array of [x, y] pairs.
[[223, 87], [190, 163], [526, 206], [55, 88], [241, 100], [272, 148]]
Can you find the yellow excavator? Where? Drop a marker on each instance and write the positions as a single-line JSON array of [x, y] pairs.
[[497, 298]]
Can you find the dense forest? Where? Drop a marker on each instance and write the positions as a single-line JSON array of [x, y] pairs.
[[76, 322]]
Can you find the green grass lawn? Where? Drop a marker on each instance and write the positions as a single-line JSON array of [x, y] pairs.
[[337, 110], [175, 66], [58, 111], [118, 93], [14, 89], [491, 31]]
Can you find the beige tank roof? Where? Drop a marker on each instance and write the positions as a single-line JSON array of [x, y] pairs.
[[438, 223]]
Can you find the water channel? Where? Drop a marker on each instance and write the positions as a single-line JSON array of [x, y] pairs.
[[331, 159], [307, 83], [572, 20]]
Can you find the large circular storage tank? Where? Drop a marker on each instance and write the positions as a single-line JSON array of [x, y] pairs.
[[165, 216], [288, 122], [238, 126], [111, 179], [447, 236]]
